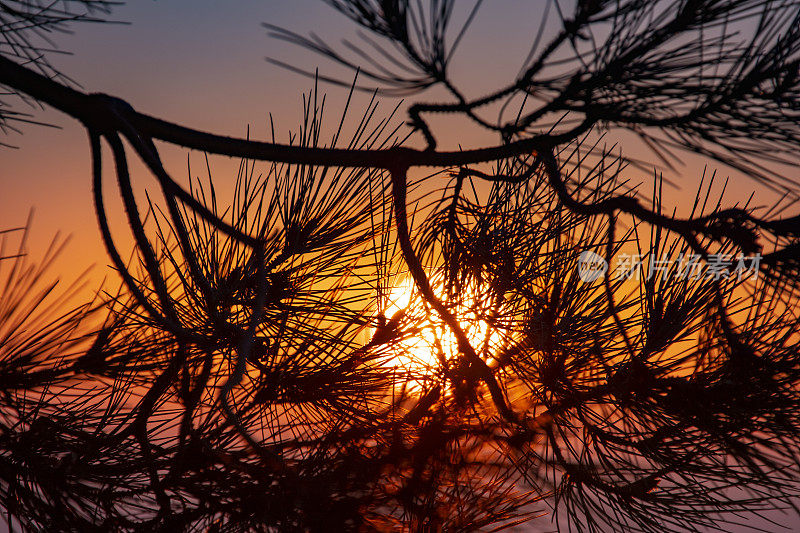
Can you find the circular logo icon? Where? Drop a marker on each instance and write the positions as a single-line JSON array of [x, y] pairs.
[[591, 266]]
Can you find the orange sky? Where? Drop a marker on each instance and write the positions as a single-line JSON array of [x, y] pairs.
[[203, 65], [196, 63]]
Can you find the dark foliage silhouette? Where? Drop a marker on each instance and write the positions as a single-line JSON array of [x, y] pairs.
[[255, 370]]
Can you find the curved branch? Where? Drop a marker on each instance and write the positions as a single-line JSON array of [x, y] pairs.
[[418, 273]]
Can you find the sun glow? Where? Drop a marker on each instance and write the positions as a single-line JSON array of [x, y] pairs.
[[427, 345]]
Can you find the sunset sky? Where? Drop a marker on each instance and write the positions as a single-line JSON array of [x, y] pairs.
[[202, 63]]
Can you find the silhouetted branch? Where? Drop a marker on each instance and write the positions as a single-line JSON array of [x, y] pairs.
[[250, 373]]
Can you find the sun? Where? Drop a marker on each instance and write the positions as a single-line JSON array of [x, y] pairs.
[[428, 345]]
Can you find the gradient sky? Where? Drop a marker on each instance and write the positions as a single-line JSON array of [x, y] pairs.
[[202, 63]]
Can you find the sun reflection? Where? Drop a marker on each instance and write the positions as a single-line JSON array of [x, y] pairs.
[[428, 345]]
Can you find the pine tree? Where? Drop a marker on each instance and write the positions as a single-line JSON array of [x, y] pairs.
[[340, 347]]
